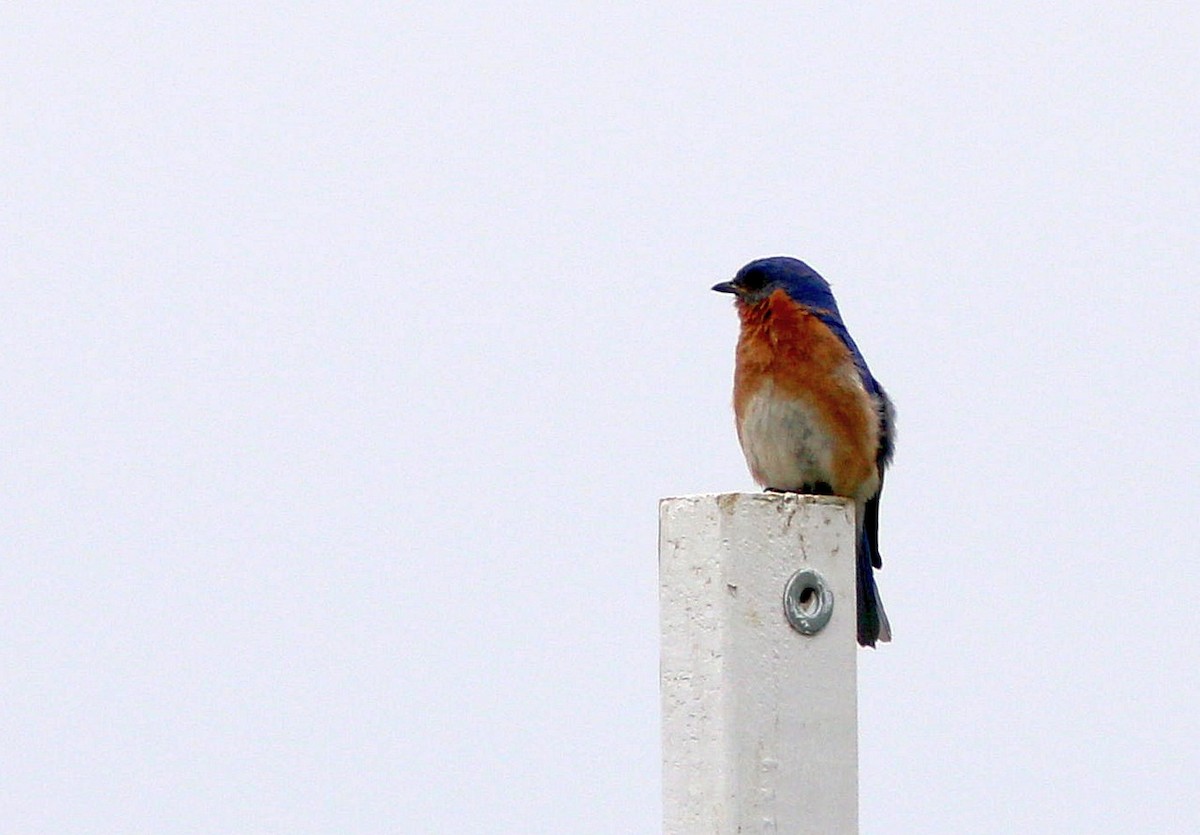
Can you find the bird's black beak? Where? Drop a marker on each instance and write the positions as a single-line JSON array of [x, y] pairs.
[[726, 287]]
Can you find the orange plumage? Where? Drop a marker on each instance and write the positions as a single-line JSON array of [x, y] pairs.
[[784, 347]]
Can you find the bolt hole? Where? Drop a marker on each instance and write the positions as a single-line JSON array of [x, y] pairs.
[[809, 600]]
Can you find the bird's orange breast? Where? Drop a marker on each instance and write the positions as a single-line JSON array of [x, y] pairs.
[[783, 344]]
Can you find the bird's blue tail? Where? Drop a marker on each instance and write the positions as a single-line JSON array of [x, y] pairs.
[[872, 620]]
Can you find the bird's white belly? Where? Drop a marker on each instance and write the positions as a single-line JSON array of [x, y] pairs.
[[785, 443]]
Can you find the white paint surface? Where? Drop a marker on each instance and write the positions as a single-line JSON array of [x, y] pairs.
[[759, 721]]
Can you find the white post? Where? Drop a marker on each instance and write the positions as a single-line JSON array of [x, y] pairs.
[[760, 722]]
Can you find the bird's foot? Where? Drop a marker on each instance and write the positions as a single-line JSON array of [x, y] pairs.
[[815, 488]]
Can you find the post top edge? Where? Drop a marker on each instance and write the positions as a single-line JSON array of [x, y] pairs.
[[765, 497]]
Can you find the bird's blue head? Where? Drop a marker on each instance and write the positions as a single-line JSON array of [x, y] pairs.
[[759, 279]]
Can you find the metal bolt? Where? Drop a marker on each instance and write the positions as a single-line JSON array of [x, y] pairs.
[[807, 601]]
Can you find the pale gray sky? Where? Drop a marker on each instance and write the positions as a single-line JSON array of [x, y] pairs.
[[347, 350]]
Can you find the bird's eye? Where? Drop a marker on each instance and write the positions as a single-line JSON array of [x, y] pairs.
[[752, 282]]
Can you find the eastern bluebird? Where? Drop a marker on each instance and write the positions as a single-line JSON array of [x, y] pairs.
[[810, 417]]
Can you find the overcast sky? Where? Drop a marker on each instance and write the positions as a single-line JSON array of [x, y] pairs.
[[347, 349]]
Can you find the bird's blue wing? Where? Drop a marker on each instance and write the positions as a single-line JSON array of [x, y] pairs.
[[887, 419], [833, 321]]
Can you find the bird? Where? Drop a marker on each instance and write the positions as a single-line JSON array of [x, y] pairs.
[[810, 416]]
